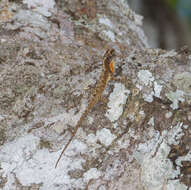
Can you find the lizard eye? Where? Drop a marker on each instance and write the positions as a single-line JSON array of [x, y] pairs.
[[112, 52]]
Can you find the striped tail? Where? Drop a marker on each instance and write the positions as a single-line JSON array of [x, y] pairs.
[[90, 105]]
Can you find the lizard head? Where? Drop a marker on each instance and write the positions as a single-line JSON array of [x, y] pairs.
[[108, 60]]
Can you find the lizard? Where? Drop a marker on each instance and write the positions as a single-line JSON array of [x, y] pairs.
[[106, 75]]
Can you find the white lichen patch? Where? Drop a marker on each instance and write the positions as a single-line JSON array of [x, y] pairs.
[[1, 117], [156, 168], [175, 97], [59, 127], [116, 101], [92, 173], [145, 77], [138, 20], [147, 147], [124, 142], [148, 97], [108, 34], [156, 92], [43, 7], [116, 169], [91, 138], [139, 86], [23, 160], [183, 82], [157, 89], [76, 147], [175, 134], [175, 185], [105, 136], [168, 115], [106, 22], [3, 40], [151, 121]]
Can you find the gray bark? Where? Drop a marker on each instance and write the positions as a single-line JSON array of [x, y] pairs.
[[50, 59]]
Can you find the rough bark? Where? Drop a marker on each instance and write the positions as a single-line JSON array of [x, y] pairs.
[[138, 138]]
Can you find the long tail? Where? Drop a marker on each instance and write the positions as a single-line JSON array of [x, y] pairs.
[[75, 130]]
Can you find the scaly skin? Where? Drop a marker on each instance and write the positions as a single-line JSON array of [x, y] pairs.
[[107, 72]]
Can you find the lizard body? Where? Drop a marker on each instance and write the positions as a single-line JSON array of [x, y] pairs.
[[107, 72]]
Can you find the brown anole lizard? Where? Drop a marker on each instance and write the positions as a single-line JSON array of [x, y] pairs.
[[107, 73]]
